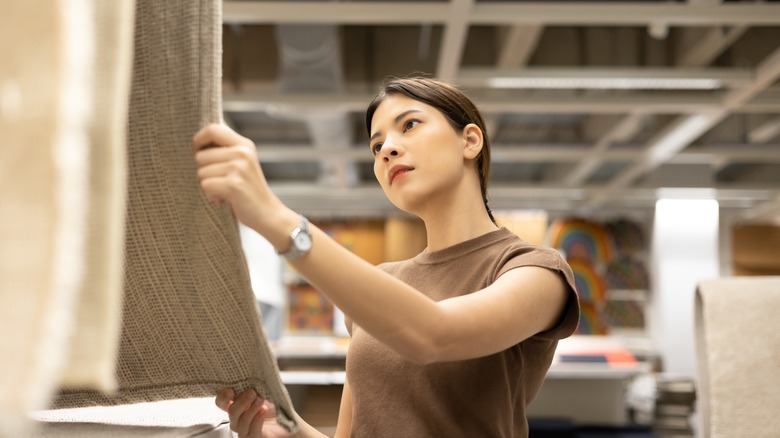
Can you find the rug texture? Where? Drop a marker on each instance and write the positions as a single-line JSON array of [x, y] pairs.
[[190, 325], [45, 79], [93, 348], [738, 351]]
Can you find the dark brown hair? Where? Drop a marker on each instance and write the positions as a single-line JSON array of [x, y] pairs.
[[457, 108]]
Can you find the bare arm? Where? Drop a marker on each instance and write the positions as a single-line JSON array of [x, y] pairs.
[[522, 302]]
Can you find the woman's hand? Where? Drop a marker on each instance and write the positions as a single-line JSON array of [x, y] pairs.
[[250, 415], [229, 171]]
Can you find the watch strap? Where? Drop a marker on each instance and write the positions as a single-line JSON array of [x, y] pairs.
[[294, 251]]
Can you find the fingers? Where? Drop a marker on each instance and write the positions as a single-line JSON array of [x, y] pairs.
[[231, 152], [240, 404], [256, 426], [243, 410], [270, 407], [217, 170], [225, 398], [215, 134], [229, 172], [245, 421], [226, 171]]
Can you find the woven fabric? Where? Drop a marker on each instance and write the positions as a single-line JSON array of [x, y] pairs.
[[737, 356], [44, 95], [94, 345], [190, 324]]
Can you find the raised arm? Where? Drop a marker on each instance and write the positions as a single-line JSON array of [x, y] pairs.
[[522, 302]]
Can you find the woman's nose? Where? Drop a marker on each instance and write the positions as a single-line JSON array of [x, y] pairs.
[[390, 149]]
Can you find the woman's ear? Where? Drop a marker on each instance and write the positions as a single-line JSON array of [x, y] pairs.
[[473, 141]]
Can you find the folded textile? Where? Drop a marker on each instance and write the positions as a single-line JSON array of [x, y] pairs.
[[737, 350], [190, 325]]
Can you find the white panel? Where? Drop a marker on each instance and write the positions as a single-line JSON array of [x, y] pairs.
[[265, 267], [685, 251]]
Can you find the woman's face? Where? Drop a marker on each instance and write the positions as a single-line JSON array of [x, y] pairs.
[[417, 153]]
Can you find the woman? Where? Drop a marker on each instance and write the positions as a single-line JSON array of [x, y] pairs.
[[457, 340]]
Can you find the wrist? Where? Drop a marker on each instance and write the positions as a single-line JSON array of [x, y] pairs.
[[273, 221], [300, 241], [280, 229]]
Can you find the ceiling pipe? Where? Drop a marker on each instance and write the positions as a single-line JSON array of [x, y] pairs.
[[310, 62]]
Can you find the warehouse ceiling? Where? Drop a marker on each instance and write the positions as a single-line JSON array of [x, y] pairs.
[[591, 106]]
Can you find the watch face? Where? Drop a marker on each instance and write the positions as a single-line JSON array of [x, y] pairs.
[[303, 242]]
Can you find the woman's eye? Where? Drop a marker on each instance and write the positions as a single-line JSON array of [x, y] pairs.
[[376, 148], [410, 124]]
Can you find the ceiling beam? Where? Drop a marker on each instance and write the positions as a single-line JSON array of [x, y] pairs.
[[455, 32], [657, 103], [314, 12], [527, 153], [663, 146], [700, 47], [607, 78], [596, 14], [370, 200], [760, 104], [767, 211], [687, 128], [743, 153], [698, 54], [518, 45], [765, 74], [298, 104], [625, 129], [765, 132], [709, 45], [623, 13]]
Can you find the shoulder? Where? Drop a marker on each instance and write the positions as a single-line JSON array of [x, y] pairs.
[[393, 268], [515, 252], [534, 255], [518, 253]]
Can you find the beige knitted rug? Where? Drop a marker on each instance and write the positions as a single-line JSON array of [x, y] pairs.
[[738, 356], [95, 341], [190, 322], [45, 95]]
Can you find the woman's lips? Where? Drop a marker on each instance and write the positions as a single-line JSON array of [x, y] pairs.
[[396, 171]]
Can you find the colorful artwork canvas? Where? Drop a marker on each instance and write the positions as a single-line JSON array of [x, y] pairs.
[[309, 311], [589, 282], [592, 321], [582, 240]]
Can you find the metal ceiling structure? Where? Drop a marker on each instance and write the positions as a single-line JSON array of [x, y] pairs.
[[592, 106]]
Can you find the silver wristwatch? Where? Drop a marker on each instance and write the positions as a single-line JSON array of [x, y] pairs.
[[300, 241]]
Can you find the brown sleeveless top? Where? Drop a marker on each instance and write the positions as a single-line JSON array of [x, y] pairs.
[[482, 397]]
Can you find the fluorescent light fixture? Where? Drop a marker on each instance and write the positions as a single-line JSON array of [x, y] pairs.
[[616, 83], [619, 78]]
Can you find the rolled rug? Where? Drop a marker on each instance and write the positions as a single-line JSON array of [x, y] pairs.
[[737, 352]]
